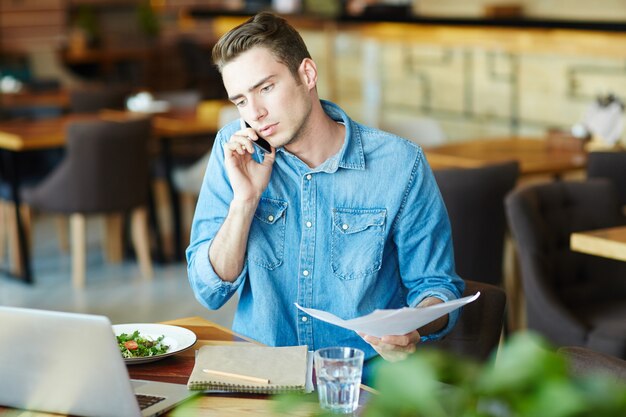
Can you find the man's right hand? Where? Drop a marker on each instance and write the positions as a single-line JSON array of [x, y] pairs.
[[247, 177]]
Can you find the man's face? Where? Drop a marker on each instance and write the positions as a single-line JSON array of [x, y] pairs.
[[267, 95]]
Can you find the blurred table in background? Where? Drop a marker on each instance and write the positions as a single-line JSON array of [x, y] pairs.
[[535, 156], [608, 243], [28, 99]]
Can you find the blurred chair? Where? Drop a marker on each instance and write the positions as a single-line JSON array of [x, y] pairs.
[[90, 99], [184, 150], [474, 198], [611, 165], [573, 299], [585, 362], [45, 63], [105, 171], [171, 155], [424, 131], [188, 180], [34, 166], [199, 69], [478, 330]]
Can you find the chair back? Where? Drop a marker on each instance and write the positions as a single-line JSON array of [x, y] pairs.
[[199, 69], [477, 332], [611, 165], [560, 284], [105, 169], [474, 199], [584, 362]]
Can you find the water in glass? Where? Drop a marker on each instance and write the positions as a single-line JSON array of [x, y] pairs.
[[339, 379]]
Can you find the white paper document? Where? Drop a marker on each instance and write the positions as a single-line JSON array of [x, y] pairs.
[[392, 322]]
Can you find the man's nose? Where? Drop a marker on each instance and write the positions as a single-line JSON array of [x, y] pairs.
[[258, 110]]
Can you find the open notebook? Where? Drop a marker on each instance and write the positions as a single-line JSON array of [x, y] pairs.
[[70, 364], [250, 368]]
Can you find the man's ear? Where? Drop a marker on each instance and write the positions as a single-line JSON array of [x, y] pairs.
[[308, 73]]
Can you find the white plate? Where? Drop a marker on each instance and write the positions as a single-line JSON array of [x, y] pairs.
[[177, 338]]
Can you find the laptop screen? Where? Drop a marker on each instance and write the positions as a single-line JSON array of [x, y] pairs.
[[64, 363]]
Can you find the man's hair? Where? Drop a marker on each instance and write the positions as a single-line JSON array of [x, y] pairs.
[[265, 30]]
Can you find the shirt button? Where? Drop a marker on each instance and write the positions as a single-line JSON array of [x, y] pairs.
[[309, 224], [304, 318], [309, 176], [305, 273], [344, 226], [270, 218]]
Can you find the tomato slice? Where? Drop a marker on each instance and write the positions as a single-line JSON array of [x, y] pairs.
[[131, 345]]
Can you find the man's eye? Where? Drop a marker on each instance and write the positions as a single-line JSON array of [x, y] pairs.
[[240, 103], [267, 88]]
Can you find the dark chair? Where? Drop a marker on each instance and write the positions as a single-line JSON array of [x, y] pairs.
[[611, 165], [199, 69], [474, 198], [94, 98], [105, 171], [573, 299], [477, 333], [33, 167], [585, 362], [184, 150]]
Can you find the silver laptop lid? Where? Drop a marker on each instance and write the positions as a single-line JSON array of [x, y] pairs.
[[62, 362]]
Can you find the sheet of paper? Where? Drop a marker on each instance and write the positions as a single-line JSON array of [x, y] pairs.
[[392, 322]]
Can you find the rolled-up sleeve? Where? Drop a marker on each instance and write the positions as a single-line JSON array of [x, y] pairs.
[[211, 210]]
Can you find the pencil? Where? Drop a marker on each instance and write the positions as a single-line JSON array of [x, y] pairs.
[[238, 376]]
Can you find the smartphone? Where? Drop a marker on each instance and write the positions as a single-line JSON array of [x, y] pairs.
[[260, 142]]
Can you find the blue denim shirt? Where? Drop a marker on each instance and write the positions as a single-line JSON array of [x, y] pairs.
[[365, 230]]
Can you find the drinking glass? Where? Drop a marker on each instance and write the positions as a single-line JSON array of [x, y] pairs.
[[338, 373]]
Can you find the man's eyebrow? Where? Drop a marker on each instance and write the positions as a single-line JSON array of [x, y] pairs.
[[254, 87]]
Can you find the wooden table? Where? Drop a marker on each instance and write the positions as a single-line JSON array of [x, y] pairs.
[[28, 99], [20, 136], [535, 156], [177, 368], [608, 243]]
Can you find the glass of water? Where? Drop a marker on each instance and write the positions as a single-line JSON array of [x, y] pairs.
[[338, 372]]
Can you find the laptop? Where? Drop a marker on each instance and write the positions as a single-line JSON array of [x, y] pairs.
[[70, 363]]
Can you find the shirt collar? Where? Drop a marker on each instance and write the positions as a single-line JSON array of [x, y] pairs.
[[350, 156]]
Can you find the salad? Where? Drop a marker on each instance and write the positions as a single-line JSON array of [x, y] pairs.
[[137, 346]]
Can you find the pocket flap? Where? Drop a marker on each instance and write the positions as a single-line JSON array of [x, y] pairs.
[[270, 210], [357, 220]]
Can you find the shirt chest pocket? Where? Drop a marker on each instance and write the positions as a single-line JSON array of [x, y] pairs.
[[266, 242], [358, 238]]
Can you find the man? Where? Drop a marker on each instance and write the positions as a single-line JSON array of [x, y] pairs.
[[339, 216]]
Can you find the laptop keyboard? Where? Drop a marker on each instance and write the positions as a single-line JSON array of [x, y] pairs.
[[146, 401]]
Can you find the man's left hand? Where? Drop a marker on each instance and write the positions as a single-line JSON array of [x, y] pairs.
[[393, 348]]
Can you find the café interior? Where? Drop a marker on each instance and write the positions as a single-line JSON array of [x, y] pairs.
[[518, 106]]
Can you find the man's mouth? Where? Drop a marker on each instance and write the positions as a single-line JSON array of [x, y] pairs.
[[268, 130]]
